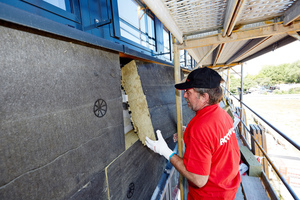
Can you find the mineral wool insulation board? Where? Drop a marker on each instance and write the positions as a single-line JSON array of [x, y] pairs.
[[137, 101]]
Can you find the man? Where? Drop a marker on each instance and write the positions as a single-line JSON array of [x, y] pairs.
[[211, 159]]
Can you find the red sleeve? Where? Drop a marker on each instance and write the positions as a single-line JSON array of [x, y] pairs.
[[197, 157]]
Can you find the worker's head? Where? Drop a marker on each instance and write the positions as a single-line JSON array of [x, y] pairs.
[[202, 88]]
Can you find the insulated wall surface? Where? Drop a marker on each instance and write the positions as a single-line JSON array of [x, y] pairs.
[[158, 86], [135, 174], [52, 145]]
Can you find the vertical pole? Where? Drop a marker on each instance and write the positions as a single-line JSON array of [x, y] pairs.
[[177, 76], [225, 86], [228, 81], [241, 100]]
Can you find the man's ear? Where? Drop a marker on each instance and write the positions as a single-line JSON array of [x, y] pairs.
[[206, 97]]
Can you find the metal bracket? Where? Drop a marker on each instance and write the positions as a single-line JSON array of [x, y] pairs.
[[159, 54], [102, 23]]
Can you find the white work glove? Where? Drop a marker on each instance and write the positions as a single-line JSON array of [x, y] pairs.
[[160, 146]]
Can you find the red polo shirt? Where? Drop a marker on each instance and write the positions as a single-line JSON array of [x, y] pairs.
[[212, 149]]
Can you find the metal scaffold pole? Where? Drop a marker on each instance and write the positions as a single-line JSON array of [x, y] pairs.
[[177, 76], [241, 97], [228, 82], [242, 113]]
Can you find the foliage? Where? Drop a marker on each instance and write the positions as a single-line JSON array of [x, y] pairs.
[[270, 75], [293, 73], [262, 80], [234, 84], [284, 73], [294, 91], [249, 82], [290, 91]]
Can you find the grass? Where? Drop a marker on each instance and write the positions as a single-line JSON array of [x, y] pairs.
[[290, 91]]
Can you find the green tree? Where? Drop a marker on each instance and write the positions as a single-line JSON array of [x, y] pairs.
[[262, 80], [249, 82], [276, 74], [292, 73], [234, 84], [269, 75]]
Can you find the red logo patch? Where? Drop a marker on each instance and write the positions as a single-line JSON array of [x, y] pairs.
[[187, 80]]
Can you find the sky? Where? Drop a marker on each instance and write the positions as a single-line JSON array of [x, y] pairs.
[[286, 54]]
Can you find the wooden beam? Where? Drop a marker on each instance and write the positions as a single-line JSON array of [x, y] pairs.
[[194, 54], [222, 65], [292, 13], [163, 14], [238, 10], [245, 49], [258, 32], [218, 53], [177, 76], [249, 159], [206, 55], [231, 5], [284, 41], [294, 34]]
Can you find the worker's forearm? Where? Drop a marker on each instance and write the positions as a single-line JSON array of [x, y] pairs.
[[196, 179]]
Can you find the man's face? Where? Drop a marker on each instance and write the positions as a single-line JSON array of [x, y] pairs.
[[194, 99]]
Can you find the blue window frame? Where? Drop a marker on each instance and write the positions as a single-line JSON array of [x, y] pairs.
[[167, 44], [123, 22], [186, 60], [68, 9], [62, 11]]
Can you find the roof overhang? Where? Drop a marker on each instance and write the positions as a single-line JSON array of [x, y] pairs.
[[225, 33]]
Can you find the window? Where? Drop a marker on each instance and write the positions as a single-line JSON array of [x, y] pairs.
[[167, 42], [65, 4], [188, 61], [136, 23], [122, 22], [62, 11], [182, 58]]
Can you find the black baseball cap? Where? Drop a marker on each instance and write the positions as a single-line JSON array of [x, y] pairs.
[[201, 78]]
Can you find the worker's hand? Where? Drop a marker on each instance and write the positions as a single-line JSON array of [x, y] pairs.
[[159, 146], [175, 136]]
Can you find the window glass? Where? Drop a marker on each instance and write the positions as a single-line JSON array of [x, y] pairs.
[[142, 20], [182, 58], [129, 32], [151, 32], [144, 40], [188, 61], [136, 24], [57, 3], [128, 12], [166, 43]]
